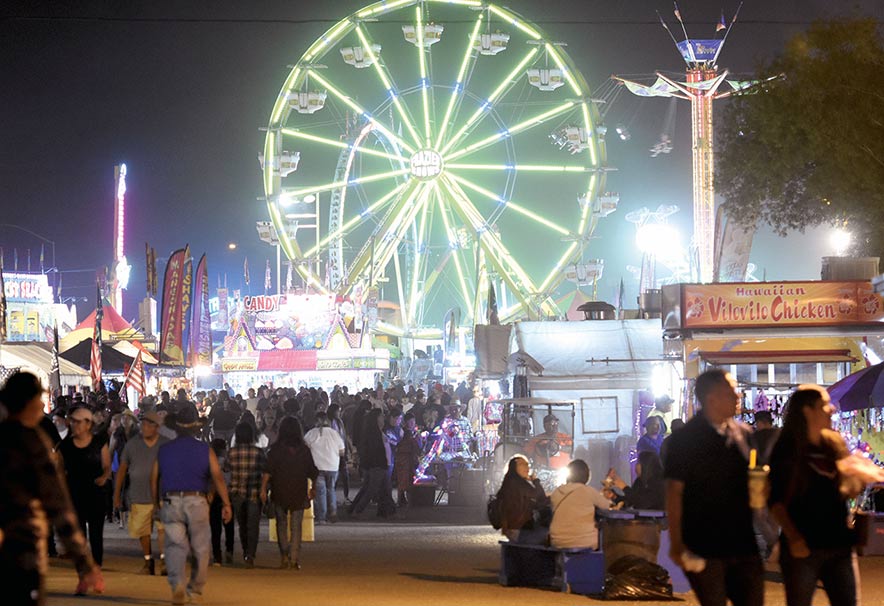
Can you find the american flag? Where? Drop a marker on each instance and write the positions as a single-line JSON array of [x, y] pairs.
[[135, 379], [54, 369], [95, 361]]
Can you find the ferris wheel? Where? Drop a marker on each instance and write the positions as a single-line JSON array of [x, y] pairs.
[[437, 150]]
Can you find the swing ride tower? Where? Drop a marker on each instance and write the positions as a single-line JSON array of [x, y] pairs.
[[702, 86]]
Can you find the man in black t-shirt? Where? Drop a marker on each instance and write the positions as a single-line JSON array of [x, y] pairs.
[[707, 499]]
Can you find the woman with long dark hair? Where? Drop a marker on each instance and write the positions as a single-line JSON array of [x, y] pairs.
[[648, 491], [808, 500], [289, 466], [374, 459], [524, 506]]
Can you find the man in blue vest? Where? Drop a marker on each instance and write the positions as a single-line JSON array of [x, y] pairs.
[[181, 478]]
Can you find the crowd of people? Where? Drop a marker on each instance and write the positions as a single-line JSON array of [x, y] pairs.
[[187, 469]]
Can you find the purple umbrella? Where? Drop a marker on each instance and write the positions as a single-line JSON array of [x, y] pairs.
[[862, 389]]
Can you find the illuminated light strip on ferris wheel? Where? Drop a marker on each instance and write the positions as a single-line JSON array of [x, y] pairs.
[[397, 229], [523, 167], [413, 187], [458, 85], [488, 238], [489, 104], [558, 267], [587, 207], [420, 257], [509, 132], [340, 144], [455, 245], [387, 81], [512, 19], [510, 204], [550, 49], [357, 219], [422, 60], [295, 193], [360, 110], [593, 152]]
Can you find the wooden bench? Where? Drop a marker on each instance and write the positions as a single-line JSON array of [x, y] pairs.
[[579, 571]]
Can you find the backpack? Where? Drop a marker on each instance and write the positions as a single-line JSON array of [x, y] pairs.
[[495, 516]]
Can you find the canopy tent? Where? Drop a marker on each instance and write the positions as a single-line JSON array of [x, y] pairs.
[[37, 358], [112, 360], [131, 349], [604, 354], [113, 327]]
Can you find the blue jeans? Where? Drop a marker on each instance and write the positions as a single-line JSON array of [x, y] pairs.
[[248, 515], [836, 568], [326, 502], [289, 545], [738, 579], [186, 520]]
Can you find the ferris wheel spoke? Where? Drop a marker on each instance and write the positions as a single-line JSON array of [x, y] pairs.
[[346, 100], [290, 132], [457, 93], [454, 244], [393, 237], [354, 221], [422, 62], [491, 102], [522, 126], [510, 270], [387, 80], [318, 189], [420, 256], [363, 259], [544, 168], [510, 204], [556, 276]]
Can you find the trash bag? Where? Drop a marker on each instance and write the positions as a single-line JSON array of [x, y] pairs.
[[634, 578]]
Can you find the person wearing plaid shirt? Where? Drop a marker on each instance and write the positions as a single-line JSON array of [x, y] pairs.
[[246, 463]]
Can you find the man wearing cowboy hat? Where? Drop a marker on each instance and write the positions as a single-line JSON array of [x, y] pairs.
[[180, 479], [137, 460]]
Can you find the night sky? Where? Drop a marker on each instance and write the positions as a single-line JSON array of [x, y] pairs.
[[178, 91]]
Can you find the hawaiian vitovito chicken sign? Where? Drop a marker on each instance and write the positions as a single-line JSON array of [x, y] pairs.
[[762, 304]]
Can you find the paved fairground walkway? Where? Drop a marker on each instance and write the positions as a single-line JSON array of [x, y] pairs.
[[443, 556]]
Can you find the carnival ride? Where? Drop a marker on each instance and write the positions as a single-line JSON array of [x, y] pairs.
[[400, 127]]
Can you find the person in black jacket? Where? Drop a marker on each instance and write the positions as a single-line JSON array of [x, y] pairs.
[[524, 506], [375, 457]]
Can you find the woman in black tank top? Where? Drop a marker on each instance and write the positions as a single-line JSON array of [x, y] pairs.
[[87, 465]]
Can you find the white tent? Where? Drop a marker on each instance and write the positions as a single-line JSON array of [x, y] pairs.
[[37, 358], [603, 354]]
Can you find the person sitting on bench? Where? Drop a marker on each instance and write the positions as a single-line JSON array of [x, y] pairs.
[[574, 506], [524, 507]]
